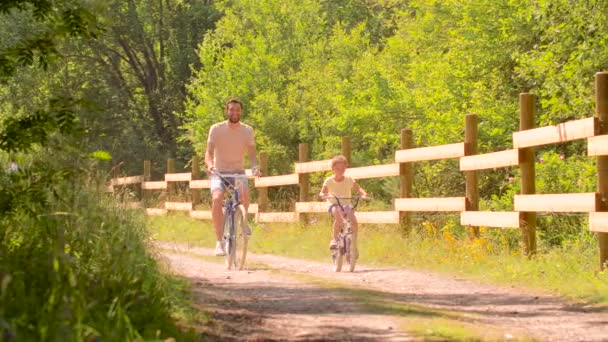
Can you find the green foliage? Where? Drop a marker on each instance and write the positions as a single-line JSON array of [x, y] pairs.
[[126, 75], [51, 22], [56, 20], [555, 173], [101, 155], [22, 133], [74, 266], [116, 74], [310, 72]]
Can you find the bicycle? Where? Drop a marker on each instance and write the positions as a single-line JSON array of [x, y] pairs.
[[347, 245], [235, 228]]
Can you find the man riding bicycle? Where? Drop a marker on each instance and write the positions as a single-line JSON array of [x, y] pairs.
[[226, 146]]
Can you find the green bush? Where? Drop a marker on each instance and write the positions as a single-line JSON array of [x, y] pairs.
[[73, 265]]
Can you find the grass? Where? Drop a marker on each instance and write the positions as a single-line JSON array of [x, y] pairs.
[[570, 270]]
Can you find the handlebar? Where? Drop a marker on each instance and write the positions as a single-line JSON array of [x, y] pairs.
[[233, 175], [355, 199], [343, 198], [255, 172], [223, 176]]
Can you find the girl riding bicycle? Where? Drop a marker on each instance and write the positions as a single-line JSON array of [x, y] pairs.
[[341, 186]]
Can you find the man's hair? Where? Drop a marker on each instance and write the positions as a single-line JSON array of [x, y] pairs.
[[339, 159], [233, 100]]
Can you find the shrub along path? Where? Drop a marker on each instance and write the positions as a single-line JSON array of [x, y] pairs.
[[285, 298]]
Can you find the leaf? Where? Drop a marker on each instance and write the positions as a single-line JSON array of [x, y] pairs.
[[101, 155]]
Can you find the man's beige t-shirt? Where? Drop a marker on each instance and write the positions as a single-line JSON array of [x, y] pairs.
[[340, 189], [230, 145]]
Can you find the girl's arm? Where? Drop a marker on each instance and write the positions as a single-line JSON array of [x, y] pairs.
[[324, 192], [360, 190]]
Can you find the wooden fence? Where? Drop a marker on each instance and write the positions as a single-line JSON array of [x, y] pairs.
[[526, 205]]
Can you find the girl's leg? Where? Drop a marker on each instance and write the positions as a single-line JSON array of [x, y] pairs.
[[338, 222]]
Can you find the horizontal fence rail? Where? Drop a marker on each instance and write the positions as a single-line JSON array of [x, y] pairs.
[[558, 203], [490, 160], [314, 166], [597, 146], [430, 153], [567, 131], [431, 204], [505, 219], [593, 130], [277, 180]]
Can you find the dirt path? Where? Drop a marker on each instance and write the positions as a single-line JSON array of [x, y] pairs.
[[290, 299], [258, 305]]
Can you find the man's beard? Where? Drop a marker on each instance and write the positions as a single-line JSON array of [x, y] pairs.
[[234, 120]]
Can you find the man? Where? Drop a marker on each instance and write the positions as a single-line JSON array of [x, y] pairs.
[[226, 146]]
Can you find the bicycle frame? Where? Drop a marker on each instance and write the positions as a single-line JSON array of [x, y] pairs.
[[235, 249], [345, 237], [346, 209], [232, 202]]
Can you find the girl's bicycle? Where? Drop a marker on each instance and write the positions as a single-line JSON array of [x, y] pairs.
[[347, 242], [236, 230]]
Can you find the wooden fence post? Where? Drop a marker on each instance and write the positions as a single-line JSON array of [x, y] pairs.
[[263, 191], [346, 149], [170, 185], [116, 170], [527, 159], [470, 148], [303, 179], [195, 193], [147, 178], [115, 173], [405, 179], [601, 108]]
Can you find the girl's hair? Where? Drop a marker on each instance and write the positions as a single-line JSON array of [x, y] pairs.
[[338, 159]]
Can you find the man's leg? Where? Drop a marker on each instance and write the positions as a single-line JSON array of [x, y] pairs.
[[217, 214], [217, 217]]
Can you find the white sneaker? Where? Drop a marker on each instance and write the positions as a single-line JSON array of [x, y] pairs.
[[219, 249], [333, 244]]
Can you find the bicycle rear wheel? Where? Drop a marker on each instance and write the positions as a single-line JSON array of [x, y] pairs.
[[241, 235]]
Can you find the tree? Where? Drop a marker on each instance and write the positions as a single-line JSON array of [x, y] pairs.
[[52, 21], [147, 52], [132, 74]]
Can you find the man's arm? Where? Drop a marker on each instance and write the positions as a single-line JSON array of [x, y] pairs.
[[253, 161], [209, 157]]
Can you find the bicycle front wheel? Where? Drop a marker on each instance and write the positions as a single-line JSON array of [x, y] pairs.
[[339, 255], [229, 241], [353, 253], [242, 233]]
